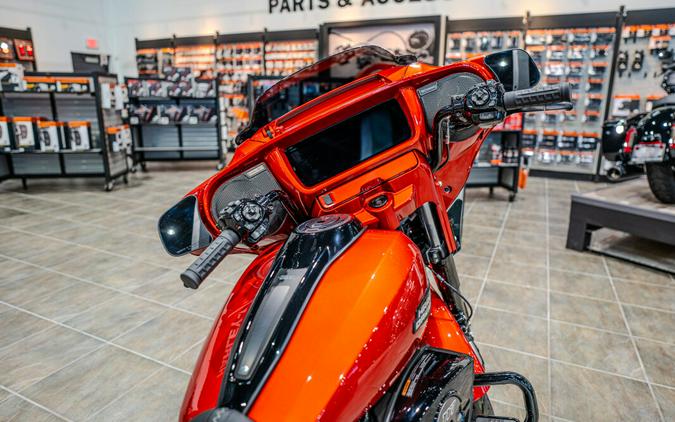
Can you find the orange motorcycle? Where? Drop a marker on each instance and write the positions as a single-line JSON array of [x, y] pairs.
[[348, 184]]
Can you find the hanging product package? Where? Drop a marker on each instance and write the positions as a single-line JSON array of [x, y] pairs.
[[25, 133], [5, 139]]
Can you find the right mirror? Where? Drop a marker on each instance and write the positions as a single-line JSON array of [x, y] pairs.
[[515, 69]]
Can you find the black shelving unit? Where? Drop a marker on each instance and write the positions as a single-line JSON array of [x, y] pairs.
[[161, 139], [498, 163], [99, 161], [469, 37]]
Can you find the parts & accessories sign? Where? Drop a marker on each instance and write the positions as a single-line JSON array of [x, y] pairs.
[[294, 6]]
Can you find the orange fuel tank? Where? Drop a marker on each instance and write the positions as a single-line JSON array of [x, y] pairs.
[[355, 335]]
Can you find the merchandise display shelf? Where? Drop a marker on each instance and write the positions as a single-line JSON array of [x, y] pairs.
[[64, 134]]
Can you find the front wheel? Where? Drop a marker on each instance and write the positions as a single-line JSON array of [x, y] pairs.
[[661, 177]]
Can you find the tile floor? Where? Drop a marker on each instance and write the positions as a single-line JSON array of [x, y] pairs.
[[95, 325]]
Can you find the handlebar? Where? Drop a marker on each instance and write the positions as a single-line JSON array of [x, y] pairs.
[[539, 96], [210, 258]]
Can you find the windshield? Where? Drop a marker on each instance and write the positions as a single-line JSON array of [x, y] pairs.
[[317, 79]]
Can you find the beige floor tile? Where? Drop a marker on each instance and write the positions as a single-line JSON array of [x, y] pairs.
[[508, 254], [34, 288], [524, 274], [86, 386], [595, 349], [474, 266], [589, 312], [187, 360], [477, 248], [622, 398], [17, 409], [523, 224], [70, 301], [576, 261], [524, 300], [167, 289], [470, 286], [659, 361], [593, 286], [157, 398], [642, 294], [115, 316], [15, 325], [666, 399], [651, 323], [522, 238], [533, 368], [11, 270], [517, 332], [30, 360], [480, 233], [208, 300], [166, 336], [621, 269], [128, 275]]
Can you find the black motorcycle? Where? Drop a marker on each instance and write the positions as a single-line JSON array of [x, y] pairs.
[[646, 140]]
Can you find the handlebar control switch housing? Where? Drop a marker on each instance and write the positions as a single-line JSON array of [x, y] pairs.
[[255, 218], [484, 103]]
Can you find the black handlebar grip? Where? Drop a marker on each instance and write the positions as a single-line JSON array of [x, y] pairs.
[[210, 258], [515, 100]]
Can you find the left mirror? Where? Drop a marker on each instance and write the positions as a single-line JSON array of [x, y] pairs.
[[181, 229], [514, 68]]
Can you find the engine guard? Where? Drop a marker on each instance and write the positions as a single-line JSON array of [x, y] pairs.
[[509, 378]]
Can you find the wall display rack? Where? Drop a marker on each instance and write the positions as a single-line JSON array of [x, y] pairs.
[[578, 49], [153, 56], [16, 46], [64, 125], [647, 41], [242, 56], [419, 36], [475, 37], [196, 53], [169, 127]]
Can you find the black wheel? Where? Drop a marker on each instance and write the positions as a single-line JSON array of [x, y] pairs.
[[512, 197], [125, 179], [483, 407], [109, 186], [661, 177]]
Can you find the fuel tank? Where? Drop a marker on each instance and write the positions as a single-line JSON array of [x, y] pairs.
[[338, 316]]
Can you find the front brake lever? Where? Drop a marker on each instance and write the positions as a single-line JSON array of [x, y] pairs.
[[564, 106]]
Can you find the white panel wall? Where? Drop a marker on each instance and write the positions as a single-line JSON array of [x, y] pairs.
[[59, 27], [161, 18]]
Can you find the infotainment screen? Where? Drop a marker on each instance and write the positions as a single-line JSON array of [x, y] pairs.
[[346, 144]]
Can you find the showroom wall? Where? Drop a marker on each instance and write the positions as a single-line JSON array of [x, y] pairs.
[[59, 27], [62, 26], [147, 20]]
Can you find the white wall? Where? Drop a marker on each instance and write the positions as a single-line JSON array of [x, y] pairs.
[[161, 18], [59, 27]]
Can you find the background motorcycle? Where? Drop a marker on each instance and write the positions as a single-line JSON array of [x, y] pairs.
[[353, 203], [646, 139]]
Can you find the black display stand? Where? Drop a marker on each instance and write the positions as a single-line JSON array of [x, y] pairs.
[[327, 28], [485, 174], [628, 207], [176, 141], [99, 161]]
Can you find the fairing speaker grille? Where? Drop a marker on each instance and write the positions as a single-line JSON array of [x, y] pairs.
[[253, 182]]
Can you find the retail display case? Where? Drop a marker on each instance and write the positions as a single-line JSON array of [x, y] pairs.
[[175, 119], [197, 54], [419, 36], [60, 125], [578, 49], [238, 56], [290, 51], [647, 41], [16, 46], [475, 37], [153, 56]]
